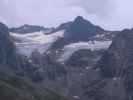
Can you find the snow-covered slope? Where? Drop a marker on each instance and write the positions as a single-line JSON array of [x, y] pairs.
[[91, 45], [41, 42], [27, 43]]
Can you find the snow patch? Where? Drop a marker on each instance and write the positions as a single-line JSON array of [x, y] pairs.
[[91, 45], [27, 43], [76, 97], [99, 35]]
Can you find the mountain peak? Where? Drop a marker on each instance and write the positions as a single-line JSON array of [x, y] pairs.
[[3, 29], [4, 32], [79, 18], [82, 29]]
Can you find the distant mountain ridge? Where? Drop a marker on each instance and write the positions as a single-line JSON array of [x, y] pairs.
[[29, 29]]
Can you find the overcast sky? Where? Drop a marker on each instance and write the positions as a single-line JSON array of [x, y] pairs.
[[110, 14]]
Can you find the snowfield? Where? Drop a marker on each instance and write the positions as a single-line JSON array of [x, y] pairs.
[[91, 45], [41, 42], [30, 42]]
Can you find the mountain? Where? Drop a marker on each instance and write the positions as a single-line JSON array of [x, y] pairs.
[[58, 39], [72, 59], [117, 61], [61, 62], [118, 55], [115, 68], [16, 73], [82, 29]]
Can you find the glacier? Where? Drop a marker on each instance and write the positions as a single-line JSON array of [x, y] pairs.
[[37, 41]]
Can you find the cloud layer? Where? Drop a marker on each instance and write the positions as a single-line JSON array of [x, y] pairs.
[[111, 14]]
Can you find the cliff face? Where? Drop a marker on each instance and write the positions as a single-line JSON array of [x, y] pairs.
[[118, 57], [117, 62], [7, 48]]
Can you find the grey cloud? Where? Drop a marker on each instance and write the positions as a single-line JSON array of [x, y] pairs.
[[106, 13], [98, 7], [8, 12]]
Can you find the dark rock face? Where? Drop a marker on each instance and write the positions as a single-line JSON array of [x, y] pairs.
[[82, 29], [64, 26], [50, 67], [117, 62], [48, 71], [84, 58], [119, 56], [7, 48]]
